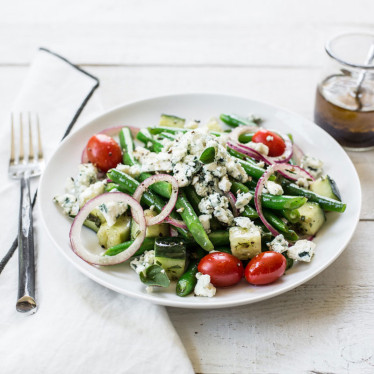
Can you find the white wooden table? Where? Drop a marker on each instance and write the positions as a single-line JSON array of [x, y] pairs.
[[267, 50]]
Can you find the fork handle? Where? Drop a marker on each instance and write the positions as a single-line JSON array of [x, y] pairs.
[[26, 271]]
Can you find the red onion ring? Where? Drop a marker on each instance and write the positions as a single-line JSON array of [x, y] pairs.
[[296, 172], [175, 222], [167, 209], [284, 170], [232, 200], [76, 228]]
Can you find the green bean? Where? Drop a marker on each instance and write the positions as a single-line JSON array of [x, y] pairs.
[[252, 184], [145, 136], [161, 188], [147, 245], [215, 133], [234, 121], [324, 202], [192, 222], [279, 225], [246, 137], [280, 202], [249, 212], [220, 238], [171, 130], [127, 145], [128, 185], [164, 135], [208, 155], [187, 281], [237, 154], [193, 198], [292, 215]]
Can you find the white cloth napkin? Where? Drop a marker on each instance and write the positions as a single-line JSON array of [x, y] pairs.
[[80, 326]]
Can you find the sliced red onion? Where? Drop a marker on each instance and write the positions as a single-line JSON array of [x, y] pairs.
[[167, 209], [76, 228], [234, 135], [248, 151], [232, 200], [175, 222], [294, 172]]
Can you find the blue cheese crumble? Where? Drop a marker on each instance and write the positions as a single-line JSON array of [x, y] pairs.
[[68, 203], [303, 250], [80, 189], [278, 244], [242, 200], [273, 188], [111, 211], [203, 286], [139, 264], [205, 221], [312, 165], [218, 206], [181, 157]]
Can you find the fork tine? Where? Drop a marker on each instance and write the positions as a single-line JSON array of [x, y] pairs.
[[12, 148], [21, 153], [40, 148], [31, 147]]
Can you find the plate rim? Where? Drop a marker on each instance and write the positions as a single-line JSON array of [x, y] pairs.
[[176, 303]]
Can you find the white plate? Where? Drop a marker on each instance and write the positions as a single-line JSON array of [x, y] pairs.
[[331, 240]]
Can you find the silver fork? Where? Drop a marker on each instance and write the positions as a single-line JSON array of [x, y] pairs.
[[23, 167]]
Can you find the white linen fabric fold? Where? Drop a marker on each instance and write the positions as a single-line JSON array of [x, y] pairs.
[[80, 326]]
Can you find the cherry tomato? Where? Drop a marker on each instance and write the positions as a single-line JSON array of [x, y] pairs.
[[104, 152], [265, 268], [275, 143], [224, 269]]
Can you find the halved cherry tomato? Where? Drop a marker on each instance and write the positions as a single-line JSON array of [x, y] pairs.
[[265, 268], [224, 269], [275, 143], [104, 152]]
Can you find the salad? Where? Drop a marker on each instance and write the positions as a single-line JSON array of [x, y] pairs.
[[202, 204]]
